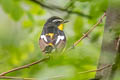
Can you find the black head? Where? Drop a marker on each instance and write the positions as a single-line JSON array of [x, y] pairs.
[[55, 21]]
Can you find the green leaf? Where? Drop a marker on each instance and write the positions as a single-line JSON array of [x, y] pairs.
[[95, 37], [7, 5], [27, 24], [36, 10], [16, 12], [98, 7], [30, 16], [13, 8], [78, 26], [40, 22]]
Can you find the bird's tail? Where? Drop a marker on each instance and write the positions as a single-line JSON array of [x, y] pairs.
[[49, 48]]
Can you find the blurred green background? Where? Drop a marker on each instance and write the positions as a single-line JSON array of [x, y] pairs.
[[21, 23]]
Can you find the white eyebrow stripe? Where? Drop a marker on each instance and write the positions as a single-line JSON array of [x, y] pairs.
[[57, 20], [59, 38], [44, 37]]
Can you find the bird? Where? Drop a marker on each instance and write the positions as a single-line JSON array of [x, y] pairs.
[[53, 37]]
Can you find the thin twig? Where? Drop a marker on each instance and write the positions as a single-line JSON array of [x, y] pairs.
[[53, 7], [100, 69], [94, 70], [88, 32], [20, 78], [17, 78], [25, 66]]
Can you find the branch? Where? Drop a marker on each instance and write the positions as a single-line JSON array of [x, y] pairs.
[[53, 7], [88, 32], [55, 77], [100, 69], [16, 78], [25, 66]]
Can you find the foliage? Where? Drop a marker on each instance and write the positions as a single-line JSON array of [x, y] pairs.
[[21, 23]]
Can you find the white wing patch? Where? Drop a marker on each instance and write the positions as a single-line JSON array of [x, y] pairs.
[[60, 38], [44, 37]]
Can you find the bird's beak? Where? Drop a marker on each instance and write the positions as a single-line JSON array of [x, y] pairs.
[[65, 21]]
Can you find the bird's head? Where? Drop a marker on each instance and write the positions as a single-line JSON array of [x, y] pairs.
[[56, 22]]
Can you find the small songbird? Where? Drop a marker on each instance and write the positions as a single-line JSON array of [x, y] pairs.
[[52, 37]]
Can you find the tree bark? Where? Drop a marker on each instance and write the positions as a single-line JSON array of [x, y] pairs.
[[109, 54]]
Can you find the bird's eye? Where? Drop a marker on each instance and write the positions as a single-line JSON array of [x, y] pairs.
[[57, 22]]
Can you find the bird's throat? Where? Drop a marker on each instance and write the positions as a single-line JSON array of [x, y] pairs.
[[60, 27]]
